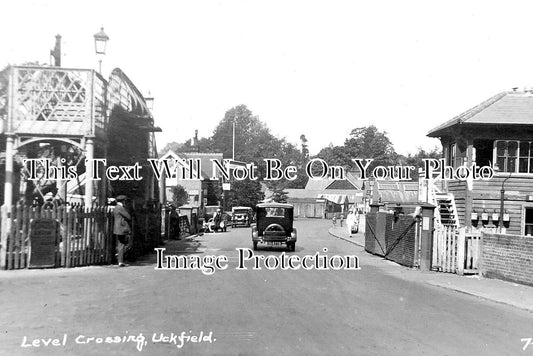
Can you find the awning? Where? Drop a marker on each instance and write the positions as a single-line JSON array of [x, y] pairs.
[[339, 199]]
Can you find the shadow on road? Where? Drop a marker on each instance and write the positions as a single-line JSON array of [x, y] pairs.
[[186, 246]]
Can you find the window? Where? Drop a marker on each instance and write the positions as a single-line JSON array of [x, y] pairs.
[[528, 222], [456, 156], [483, 151], [452, 155], [514, 156], [275, 212]]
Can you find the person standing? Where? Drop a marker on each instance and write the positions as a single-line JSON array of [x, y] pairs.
[[350, 222], [121, 228]]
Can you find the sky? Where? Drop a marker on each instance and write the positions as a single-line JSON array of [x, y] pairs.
[[319, 68]]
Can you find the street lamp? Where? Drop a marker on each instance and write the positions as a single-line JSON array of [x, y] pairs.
[[149, 101], [100, 42]]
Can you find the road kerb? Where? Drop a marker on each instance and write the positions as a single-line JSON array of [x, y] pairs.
[[330, 231], [455, 288]]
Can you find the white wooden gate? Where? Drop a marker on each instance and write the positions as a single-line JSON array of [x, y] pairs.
[[456, 250]]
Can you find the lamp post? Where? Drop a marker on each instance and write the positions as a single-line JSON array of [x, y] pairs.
[[100, 42], [233, 146]]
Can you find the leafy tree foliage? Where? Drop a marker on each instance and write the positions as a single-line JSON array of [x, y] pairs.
[[364, 142], [253, 143], [4, 81], [416, 158], [179, 195], [245, 193], [279, 194]]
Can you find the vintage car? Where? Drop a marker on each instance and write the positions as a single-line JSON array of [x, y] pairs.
[[241, 216], [274, 225], [211, 226], [210, 211]]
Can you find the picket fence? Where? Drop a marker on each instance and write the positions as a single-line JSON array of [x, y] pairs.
[[456, 250], [85, 235]]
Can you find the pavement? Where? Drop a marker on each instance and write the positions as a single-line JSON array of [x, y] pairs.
[[514, 294]]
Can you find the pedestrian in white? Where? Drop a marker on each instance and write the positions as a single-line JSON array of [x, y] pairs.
[[350, 222]]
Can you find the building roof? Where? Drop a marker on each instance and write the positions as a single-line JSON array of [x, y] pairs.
[[351, 182], [205, 161], [397, 192], [506, 108], [275, 205], [337, 196]]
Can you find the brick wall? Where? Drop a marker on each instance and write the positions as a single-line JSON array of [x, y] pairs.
[[507, 257], [390, 237]]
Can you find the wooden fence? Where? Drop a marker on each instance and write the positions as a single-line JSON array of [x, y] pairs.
[[456, 250], [85, 236]]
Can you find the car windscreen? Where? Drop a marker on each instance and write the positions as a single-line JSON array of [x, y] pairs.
[[275, 212], [241, 211]]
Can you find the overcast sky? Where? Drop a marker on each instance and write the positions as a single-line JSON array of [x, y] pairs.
[[319, 68]]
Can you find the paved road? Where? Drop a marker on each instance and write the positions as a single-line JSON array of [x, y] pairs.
[[251, 312]]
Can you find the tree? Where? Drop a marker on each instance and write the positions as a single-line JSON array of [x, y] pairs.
[[364, 142], [179, 195], [4, 82], [245, 193], [416, 159], [369, 142], [253, 140], [204, 145], [279, 195]]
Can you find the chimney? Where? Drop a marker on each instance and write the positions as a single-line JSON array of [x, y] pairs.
[[56, 52]]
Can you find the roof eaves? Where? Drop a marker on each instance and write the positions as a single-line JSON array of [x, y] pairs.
[[463, 117]]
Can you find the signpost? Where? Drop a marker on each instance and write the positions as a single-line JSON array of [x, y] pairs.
[[44, 243]]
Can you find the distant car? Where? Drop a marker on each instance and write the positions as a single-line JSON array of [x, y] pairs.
[[274, 225], [211, 226], [210, 211], [241, 216]]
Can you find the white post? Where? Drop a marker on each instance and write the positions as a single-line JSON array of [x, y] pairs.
[[162, 190], [8, 186], [461, 241], [89, 156], [8, 201]]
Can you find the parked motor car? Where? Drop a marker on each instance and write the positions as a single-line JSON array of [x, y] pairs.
[[210, 211], [241, 216], [274, 225], [212, 226]]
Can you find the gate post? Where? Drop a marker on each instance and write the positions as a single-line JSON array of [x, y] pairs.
[[89, 155], [461, 246], [8, 200], [426, 236], [4, 233]]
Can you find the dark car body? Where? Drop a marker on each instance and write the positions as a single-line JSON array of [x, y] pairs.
[[241, 216], [212, 224], [210, 211], [274, 225]]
